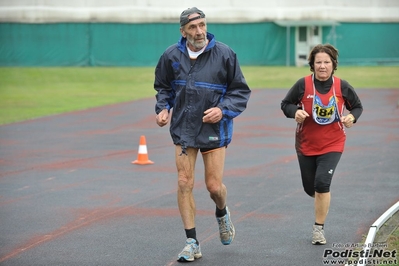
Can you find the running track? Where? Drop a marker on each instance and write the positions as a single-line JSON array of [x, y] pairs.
[[69, 194]]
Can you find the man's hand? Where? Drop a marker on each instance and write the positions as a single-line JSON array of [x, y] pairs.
[[212, 115], [162, 118]]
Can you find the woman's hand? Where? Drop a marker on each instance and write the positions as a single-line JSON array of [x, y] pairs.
[[348, 120], [300, 116]]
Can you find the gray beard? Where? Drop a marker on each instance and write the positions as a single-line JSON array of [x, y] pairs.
[[197, 45]]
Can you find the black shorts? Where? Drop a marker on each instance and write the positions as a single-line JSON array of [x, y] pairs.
[[317, 171], [205, 150]]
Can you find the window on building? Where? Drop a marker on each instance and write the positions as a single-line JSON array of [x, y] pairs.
[[302, 34], [315, 30]]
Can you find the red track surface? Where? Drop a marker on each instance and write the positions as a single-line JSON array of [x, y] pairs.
[[69, 194]]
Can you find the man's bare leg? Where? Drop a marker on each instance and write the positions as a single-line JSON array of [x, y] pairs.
[[185, 170], [214, 167]]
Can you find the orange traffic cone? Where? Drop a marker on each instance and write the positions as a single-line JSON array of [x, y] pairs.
[[142, 157]]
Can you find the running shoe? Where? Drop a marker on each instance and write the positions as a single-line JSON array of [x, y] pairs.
[[318, 235], [226, 228], [191, 251]]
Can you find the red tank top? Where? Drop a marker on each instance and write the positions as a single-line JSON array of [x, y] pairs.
[[322, 131]]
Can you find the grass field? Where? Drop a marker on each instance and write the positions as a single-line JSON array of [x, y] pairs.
[[27, 93], [393, 243]]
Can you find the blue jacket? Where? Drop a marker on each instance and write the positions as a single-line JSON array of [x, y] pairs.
[[214, 79]]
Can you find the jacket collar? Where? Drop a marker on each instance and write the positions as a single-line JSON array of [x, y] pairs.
[[181, 44]]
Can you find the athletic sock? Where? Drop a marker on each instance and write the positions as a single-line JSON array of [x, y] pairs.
[[191, 233], [220, 213], [322, 225]]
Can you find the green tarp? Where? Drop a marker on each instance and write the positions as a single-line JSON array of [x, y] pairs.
[[119, 44]]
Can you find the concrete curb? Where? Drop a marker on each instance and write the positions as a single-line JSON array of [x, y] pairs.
[[373, 231]]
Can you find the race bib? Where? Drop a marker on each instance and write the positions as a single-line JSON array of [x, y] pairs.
[[324, 114]]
